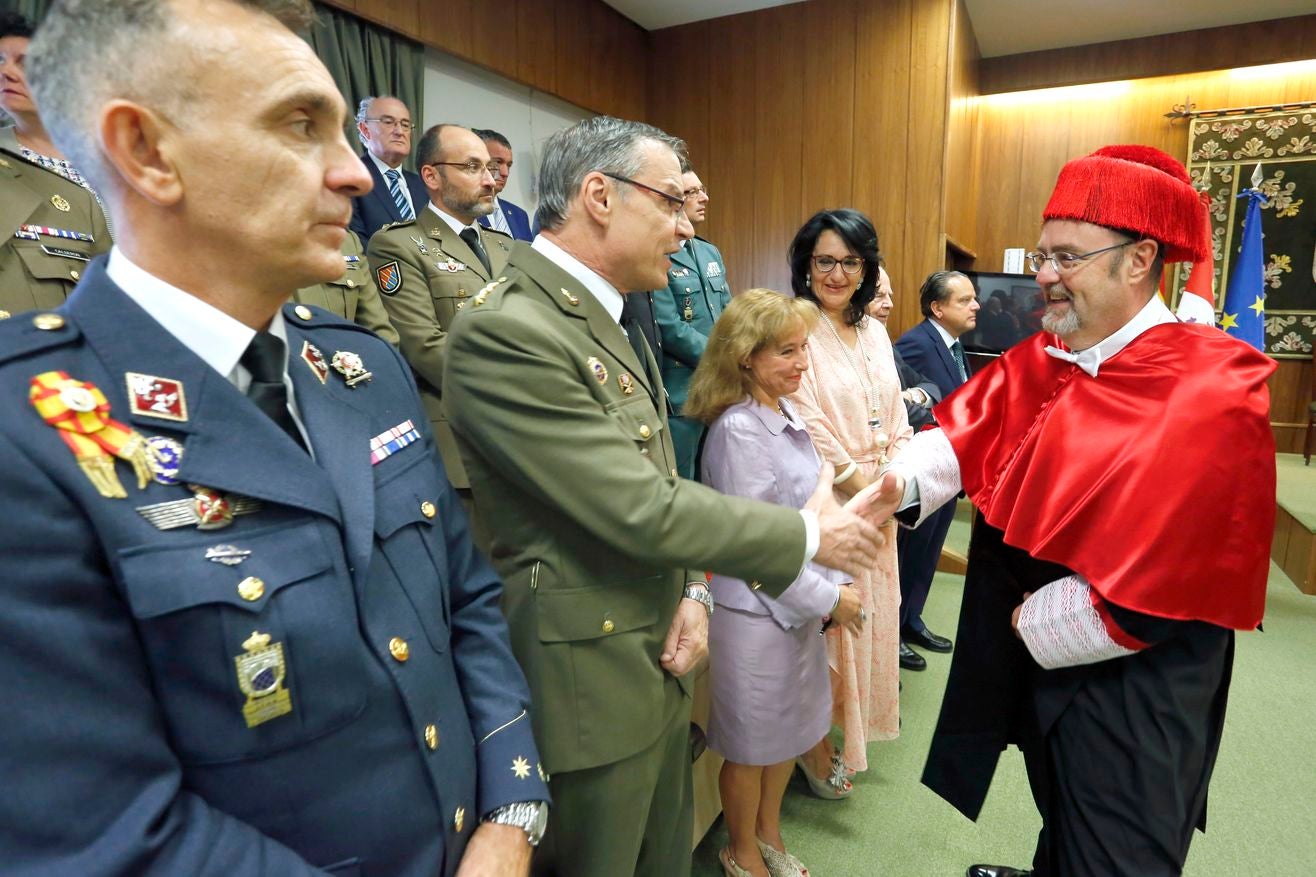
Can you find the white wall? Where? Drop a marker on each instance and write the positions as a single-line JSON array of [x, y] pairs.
[[472, 96]]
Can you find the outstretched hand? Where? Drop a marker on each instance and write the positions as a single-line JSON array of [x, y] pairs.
[[847, 541], [878, 501]]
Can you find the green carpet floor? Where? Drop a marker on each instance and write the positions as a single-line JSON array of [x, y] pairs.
[[1262, 796]]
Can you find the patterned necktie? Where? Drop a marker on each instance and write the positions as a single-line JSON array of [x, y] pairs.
[[399, 198], [472, 238], [957, 351], [265, 358]]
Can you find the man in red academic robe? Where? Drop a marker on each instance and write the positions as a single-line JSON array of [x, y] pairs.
[[1124, 469]]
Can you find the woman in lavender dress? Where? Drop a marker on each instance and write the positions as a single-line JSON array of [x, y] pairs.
[[771, 700]]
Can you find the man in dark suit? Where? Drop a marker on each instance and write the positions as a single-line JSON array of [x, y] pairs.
[[918, 392], [384, 126], [276, 648], [506, 216], [932, 348]]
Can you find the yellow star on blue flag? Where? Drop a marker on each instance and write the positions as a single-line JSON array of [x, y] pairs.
[[1245, 310]]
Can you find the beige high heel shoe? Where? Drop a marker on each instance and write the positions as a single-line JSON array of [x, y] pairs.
[[729, 866], [781, 864]]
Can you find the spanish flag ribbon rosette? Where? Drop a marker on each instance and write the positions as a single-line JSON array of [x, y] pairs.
[[81, 413]]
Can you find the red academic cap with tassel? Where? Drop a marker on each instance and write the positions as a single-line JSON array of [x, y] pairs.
[[1138, 189]]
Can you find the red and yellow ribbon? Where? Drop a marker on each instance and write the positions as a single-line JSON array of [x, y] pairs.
[[81, 413]]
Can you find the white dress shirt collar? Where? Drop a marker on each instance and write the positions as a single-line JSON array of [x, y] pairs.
[[1153, 313], [606, 294], [211, 334], [453, 222], [941, 330]]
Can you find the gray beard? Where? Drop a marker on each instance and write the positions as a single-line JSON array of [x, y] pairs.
[[1062, 326]]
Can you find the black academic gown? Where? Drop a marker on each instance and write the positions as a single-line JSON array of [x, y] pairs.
[[1119, 753]]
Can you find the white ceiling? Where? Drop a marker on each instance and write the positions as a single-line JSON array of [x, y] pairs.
[[1008, 27], [658, 14]]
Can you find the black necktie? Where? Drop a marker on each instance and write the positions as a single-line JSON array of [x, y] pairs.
[[266, 358], [472, 238], [957, 353]]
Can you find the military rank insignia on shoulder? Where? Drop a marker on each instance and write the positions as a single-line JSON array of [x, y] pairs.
[[482, 296]]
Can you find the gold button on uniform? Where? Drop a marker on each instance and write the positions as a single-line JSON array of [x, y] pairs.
[[75, 275], [431, 737], [48, 322], [302, 311], [351, 284], [427, 509], [398, 648], [459, 819], [251, 589], [4, 315], [608, 626], [645, 432]]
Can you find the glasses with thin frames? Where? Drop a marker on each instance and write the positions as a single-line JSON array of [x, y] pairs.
[[1064, 262], [850, 264], [471, 168], [695, 190], [675, 205], [390, 122]]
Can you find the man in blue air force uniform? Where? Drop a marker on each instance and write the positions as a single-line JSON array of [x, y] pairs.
[[243, 627]]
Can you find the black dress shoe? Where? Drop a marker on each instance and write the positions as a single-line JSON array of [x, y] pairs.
[[928, 640], [910, 659], [995, 871]]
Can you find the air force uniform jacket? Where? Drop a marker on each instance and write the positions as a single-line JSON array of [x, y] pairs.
[[317, 680]]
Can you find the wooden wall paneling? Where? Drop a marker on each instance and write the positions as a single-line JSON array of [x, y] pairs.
[[732, 223], [630, 57], [1000, 172], [493, 35], [1290, 393], [679, 84], [536, 44], [778, 141], [573, 50], [828, 115], [606, 63], [1265, 42], [402, 16], [446, 25], [882, 187], [928, 105], [962, 140]]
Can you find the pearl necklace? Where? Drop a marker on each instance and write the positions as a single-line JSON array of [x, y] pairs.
[[881, 439]]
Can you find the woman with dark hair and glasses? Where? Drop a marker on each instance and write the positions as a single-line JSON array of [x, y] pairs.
[[850, 400]]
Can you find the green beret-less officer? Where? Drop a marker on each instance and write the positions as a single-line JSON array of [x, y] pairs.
[[353, 296], [697, 292], [51, 229]]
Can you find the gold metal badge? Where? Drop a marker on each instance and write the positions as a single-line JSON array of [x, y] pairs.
[[521, 768], [60, 203], [599, 370], [261, 671]]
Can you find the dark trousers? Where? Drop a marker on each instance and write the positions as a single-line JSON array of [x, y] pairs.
[[1120, 777], [919, 551], [632, 817]]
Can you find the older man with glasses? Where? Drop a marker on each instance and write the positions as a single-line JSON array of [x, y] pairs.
[[384, 126], [1124, 469], [564, 434], [430, 268]]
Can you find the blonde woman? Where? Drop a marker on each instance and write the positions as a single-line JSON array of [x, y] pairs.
[[771, 699]]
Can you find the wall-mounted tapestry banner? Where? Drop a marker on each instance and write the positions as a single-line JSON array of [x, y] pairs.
[[1228, 148]]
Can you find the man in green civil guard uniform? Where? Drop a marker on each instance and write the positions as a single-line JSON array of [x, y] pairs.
[[696, 294], [603, 548]]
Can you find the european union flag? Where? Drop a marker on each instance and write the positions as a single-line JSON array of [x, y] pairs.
[[1244, 315]]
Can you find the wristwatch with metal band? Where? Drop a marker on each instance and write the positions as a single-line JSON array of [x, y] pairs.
[[529, 816], [699, 592]]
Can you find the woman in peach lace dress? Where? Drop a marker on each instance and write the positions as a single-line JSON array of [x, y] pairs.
[[850, 400]]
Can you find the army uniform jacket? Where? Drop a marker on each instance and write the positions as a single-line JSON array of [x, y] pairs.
[[426, 274], [40, 269], [353, 296], [126, 649], [566, 443], [697, 292]]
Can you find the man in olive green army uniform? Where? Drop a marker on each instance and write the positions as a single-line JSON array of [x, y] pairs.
[[696, 294], [601, 547], [52, 227], [430, 268], [352, 296]]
